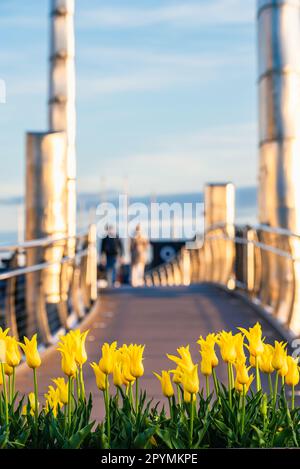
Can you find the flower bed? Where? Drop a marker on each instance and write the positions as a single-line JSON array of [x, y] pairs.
[[199, 410]]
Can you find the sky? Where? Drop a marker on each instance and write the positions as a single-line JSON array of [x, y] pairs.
[[166, 92]]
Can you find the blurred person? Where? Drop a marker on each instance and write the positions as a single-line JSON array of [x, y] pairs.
[[112, 248], [138, 250]]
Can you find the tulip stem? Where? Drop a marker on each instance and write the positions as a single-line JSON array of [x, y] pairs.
[[293, 397], [270, 384], [243, 408], [275, 390], [5, 394], [216, 384], [69, 399], [191, 420], [36, 410], [9, 388], [229, 385], [258, 383], [82, 389], [207, 388], [170, 407], [13, 383], [136, 395], [178, 394], [107, 409]]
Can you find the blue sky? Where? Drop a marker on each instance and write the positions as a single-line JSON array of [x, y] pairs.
[[166, 92]]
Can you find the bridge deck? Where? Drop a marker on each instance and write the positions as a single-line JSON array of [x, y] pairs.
[[161, 318]]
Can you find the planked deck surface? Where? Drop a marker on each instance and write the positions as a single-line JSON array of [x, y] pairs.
[[161, 318]]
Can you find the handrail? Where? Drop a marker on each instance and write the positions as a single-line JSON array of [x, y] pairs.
[[41, 242], [56, 286]]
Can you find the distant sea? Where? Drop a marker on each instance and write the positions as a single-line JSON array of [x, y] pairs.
[[12, 210]]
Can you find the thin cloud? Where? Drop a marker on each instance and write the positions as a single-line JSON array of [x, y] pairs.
[[205, 12]]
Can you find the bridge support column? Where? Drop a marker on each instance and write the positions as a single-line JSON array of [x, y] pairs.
[[279, 112], [219, 232], [45, 216], [62, 111]]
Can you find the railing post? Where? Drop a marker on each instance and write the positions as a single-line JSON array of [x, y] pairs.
[[219, 219], [91, 274]]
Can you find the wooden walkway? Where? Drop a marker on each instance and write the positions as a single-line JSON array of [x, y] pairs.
[[161, 318]]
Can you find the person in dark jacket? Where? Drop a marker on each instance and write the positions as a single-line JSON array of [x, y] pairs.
[[112, 248]]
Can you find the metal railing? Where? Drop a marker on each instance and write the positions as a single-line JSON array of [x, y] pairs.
[[44, 288], [261, 261]]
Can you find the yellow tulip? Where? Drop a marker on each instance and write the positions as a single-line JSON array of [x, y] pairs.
[[126, 371], [101, 378], [166, 383], [117, 375], [242, 376], [227, 342], [106, 363], [284, 369], [190, 380], [3, 333], [31, 399], [62, 387], [79, 339], [239, 347], [239, 387], [53, 401], [208, 347], [254, 337], [206, 367], [2, 351], [68, 362], [184, 359], [136, 360], [8, 370], [265, 362], [177, 376], [279, 356], [30, 349], [187, 397], [292, 376], [13, 355]]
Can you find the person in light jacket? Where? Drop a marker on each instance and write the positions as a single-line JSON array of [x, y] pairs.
[[138, 250]]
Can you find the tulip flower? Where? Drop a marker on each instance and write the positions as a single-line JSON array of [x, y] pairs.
[[106, 363], [68, 362], [240, 387], [209, 359], [187, 397], [118, 376], [3, 333], [166, 383], [31, 405], [292, 376], [190, 380], [265, 364], [79, 339], [101, 378], [184, 359], [278, 363], [239, 347], [242, 376], [13, 355], [30, 349], [279, 356], [3, 349], [53, 402], [136, 360], [62, 387], [33, 360], [255, 340], [77, 346], [227, 344]]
